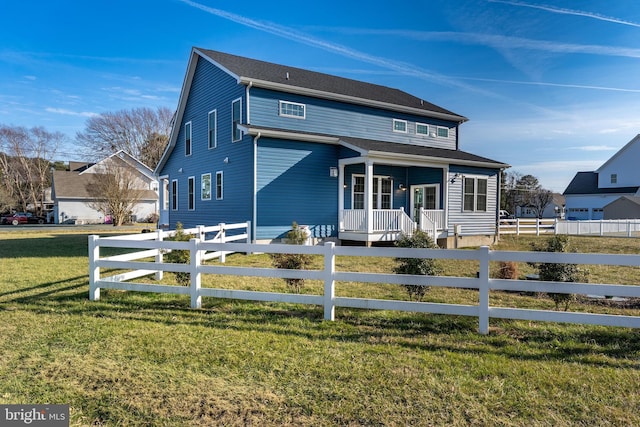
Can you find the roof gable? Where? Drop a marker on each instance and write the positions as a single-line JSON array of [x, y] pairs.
[[587, 183], [620, 153], [293, 79]]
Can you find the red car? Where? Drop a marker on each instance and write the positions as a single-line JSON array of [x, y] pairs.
[[23, 218]]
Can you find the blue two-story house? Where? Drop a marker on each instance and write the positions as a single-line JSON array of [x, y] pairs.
[[354, 161]]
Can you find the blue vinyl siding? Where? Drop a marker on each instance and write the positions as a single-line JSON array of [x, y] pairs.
[[336, 118], [473, 223], [212, 89], [294, 185]]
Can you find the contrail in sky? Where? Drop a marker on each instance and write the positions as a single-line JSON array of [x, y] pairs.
[[564, 11], [291, 34]]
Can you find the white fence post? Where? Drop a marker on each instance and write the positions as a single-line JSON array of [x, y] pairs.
[[329, 283], [94, 270], [249, 235], [537, 226], [159, 255], [196, 298], [222, 234], [483, 289]]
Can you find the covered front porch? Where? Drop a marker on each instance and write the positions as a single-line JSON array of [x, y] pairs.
[[381, 200]]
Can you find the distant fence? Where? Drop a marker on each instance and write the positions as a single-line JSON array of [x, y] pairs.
[[199, 248], [604, 227]]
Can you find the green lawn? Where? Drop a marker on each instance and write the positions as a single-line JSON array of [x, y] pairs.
[[147, 359]]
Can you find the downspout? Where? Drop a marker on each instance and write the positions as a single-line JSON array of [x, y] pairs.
[[254, 215]]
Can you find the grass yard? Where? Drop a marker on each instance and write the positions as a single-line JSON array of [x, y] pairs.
[[134, 359]]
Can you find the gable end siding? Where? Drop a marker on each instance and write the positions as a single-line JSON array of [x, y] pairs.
[[212, 89], [336, 118]]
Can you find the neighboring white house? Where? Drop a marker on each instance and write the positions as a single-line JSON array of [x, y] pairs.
[[589, 192], [555, 209], [72, 199]]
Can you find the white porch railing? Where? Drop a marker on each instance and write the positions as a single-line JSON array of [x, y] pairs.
[[392, 220]]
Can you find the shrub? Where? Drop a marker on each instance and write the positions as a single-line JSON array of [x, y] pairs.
[[416, 266], [555, 272], [507, 270], [296, 236], [180, 256], [153, 217]]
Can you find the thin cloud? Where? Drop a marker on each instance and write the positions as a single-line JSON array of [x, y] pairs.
[[70, 112], [564, 11], [566, 85], [297, 36], [595, 148]]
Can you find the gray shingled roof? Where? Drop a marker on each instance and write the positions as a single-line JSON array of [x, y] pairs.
[[587, 183], [418, 150], [298, 77], [73, 185]]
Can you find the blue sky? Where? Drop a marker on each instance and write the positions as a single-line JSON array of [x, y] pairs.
[[549, 87]]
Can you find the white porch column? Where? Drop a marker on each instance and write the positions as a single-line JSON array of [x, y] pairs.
[[445, 196], [368, 194], [340, 197]]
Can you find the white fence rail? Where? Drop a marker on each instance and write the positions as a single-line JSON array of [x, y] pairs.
[[329, 275], [603, 227]]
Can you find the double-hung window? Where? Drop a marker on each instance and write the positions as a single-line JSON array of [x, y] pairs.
[[292, 109], [382, 192], [236, 120], [219, 186], [475, 194], [212, 129], [187, 139], [191, 202], [174, 195], [205, 186]]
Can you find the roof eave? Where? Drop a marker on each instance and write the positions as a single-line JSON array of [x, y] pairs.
[[265, 84]]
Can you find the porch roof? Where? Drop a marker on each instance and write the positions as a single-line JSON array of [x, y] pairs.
[[371, 147]]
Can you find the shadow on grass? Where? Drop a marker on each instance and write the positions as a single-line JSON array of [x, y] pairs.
[[421, 332]]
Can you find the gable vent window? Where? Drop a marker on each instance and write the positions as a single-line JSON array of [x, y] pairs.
[[400, 126], [292, 109], [614, 178]]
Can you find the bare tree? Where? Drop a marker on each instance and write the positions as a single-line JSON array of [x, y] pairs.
[[539, 199], [26, 157], [115, 191], [141, 132]]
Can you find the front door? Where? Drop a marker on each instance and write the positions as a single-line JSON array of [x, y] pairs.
[[424, 196]]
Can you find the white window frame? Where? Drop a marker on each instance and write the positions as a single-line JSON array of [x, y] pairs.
[[188, 139], [475, 193], [191, 193], [293, 116], [220, 186], [444, 129], [166, 202], [406, 126], [235, 127], [174, 194], [212, 134], [205, 186], [420, 133]]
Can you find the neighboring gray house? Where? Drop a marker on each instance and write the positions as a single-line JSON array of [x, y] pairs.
[[624, 207], [71, 198], [589, 192], [351, 160]]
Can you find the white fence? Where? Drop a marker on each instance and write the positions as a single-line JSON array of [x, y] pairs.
[[611, 227], [329, 276]]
